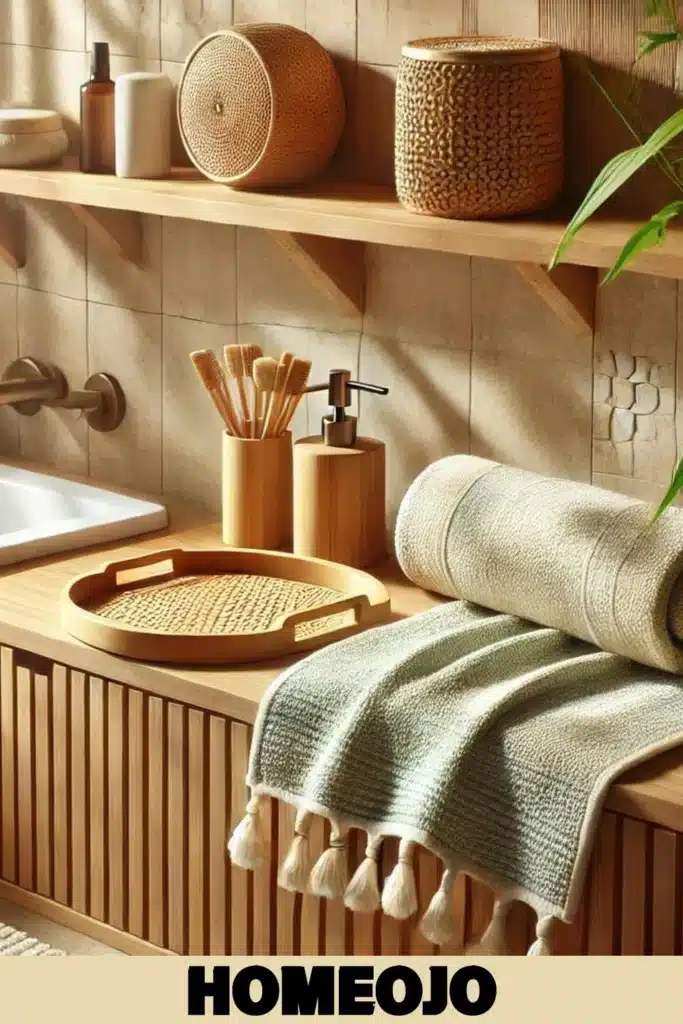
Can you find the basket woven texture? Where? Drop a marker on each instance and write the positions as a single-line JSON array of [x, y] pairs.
[[479, 126], [260, 106], [221, 604]]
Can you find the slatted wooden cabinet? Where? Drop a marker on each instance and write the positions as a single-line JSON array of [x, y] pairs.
[[117, 803]]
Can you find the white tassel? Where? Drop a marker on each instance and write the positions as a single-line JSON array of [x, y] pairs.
[[293, 874], [541, 947], [399, 895], [492, 942], [438, 925], [246, 846], [362, 892], [329, 876]]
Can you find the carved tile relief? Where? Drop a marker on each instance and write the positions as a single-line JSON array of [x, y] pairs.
[[633, 416]]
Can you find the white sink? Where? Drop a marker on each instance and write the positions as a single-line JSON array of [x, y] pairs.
[[41, 515]]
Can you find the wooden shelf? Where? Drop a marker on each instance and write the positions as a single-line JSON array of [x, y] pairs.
[[353, 213]]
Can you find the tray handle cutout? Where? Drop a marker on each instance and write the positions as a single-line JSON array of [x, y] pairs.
[[156, 565], [360, 605]]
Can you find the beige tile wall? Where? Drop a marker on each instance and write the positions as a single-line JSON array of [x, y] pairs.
[[474, 360]]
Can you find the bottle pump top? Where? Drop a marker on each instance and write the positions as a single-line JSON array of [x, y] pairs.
[[338, 429]]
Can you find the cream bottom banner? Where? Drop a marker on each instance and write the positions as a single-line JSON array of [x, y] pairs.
[[502, 989]]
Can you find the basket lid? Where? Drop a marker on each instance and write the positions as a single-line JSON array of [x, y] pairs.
[[28, 121], [481, 50]]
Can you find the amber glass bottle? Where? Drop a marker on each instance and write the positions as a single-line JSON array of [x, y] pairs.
[[97, 116]]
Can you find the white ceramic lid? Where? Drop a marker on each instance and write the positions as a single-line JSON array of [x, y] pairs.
[[28, 121]]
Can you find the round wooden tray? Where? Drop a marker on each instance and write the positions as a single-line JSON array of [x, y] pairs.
[[220, 607]]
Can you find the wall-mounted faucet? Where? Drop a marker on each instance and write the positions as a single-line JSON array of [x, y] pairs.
[[29, 384]]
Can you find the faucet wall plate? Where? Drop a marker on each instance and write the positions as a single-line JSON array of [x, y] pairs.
[[113, 406], [34, 369]]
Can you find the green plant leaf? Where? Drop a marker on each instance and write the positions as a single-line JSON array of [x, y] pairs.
[[651, 41], [674, 490], [615, 174], [645, 237]]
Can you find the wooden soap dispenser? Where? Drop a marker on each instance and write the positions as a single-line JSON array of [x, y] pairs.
[[339, 484]]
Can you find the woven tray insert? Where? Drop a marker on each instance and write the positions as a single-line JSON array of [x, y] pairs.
[[210, 604]]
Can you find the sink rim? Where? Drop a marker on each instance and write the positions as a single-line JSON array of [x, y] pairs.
[[123, 516]]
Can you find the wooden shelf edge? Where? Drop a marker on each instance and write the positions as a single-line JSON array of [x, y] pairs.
[[335, 266], [569, 291], [12, 236], [120, 231]]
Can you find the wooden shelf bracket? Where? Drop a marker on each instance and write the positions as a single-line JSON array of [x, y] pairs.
[[120, 231], [335, 266], [569, 290], [12, 235]]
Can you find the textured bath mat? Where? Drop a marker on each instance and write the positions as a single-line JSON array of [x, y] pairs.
[[14, 943]]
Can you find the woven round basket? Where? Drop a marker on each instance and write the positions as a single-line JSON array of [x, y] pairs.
[[479, 126], [260, 106]]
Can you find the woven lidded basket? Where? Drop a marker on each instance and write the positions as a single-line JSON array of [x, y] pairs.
[[260, 106], [479, 126]]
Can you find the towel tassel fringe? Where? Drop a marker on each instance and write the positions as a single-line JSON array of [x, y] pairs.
[[493, 941], [541, 947], [438, 925], [362, 892], [329, 876], [246, 845], [399, 895], [295, 868]]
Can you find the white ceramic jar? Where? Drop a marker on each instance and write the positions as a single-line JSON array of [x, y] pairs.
[[143, 104], [29, 138]]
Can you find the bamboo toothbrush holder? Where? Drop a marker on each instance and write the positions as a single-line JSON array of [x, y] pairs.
[[257, 492]]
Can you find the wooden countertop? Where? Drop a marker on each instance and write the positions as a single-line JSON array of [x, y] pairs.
[[30, 620]]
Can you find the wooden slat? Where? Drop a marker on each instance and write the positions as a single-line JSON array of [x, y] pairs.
[[462, 907], [197, 825], [8, 853], [480, 910], [24, 746], [116, 807], [602, 889], [633, 887], [520, 925], [60, 788], [156, 845], [239, 879], [390, 929], [569, 939], [97, 801], [176, 829], [136, 814], [219, 792], [285, 900], [311, 906], [43, 747], [666, 887], [264, 897], [80, 762], [428, 878]]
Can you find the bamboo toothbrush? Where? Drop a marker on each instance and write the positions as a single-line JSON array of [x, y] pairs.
[[277, 395], [209, 369], [250, 353], [234, 367], [297, 379], [264, 372]]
